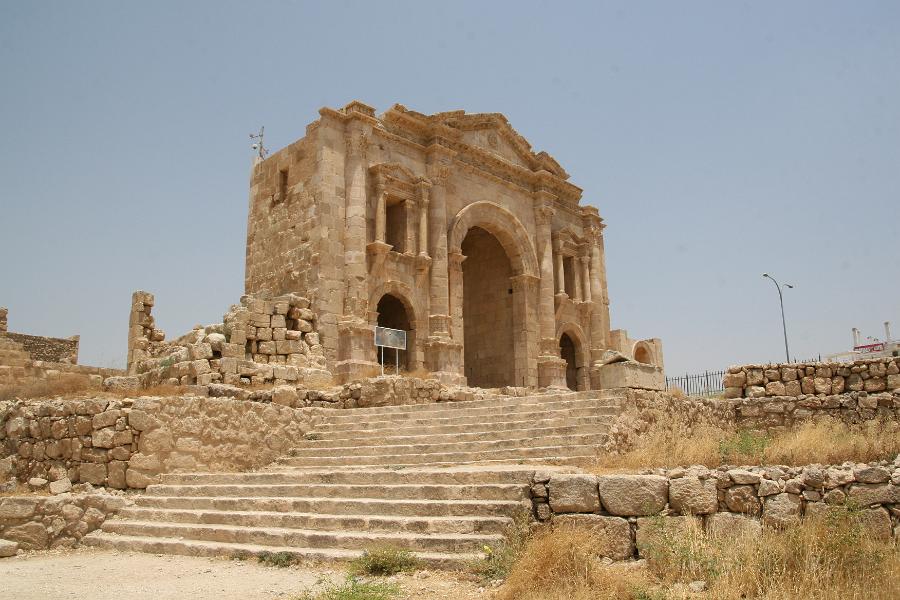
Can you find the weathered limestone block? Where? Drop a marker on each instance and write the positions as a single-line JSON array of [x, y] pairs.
[[877, 521], [743, 477], [693, 496], [865, 494], [61, 486], [8, 548], [734, 379], [613, 533], [775, 388], [574, 493], [781, 510], [121, 384], [871, 474], [633, 495], [756, 391], [755, 377], [742, 499], [29, 536], [94, 473]]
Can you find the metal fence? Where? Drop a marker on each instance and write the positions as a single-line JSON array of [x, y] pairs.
[[708, 383]]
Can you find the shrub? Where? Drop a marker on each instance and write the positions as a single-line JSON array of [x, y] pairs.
[[383, 561], [277, 559], [354, 589]]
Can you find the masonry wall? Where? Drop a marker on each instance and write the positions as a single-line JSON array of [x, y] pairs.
[[282, 225], [128, 443], [630, 510], [43, 522], [48, 349], [817, 378]]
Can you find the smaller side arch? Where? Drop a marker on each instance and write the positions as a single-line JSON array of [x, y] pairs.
[[575, 333], [402, 294], [643, 353]]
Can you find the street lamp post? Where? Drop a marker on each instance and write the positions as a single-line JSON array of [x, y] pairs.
[[781, 301]]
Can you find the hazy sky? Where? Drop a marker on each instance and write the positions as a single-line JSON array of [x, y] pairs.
[[718, 139]]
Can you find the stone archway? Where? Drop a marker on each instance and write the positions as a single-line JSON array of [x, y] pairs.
[[643, 354], [493, 296], [572, 349], [394, 313]]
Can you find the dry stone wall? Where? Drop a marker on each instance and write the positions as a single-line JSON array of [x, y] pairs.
[[624, 507], [48, 349], [128, 443], [812, 379], [33, 522], [779, 395]]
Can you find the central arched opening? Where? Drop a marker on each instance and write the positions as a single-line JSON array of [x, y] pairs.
[[567, 353], [392, 313], [489, 353]]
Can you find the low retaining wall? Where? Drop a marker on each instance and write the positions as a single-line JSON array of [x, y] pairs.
[[42, 522], [128, 443], [626, 507], [807, 379]]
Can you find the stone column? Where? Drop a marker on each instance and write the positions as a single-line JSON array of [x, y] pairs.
[[551, 368], [356, 343], [576, 277], [423, 189], [380, 210], [585, 277], [560, 271], [526, 345]]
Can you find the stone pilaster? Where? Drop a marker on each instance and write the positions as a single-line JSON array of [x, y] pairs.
[[585, 263], [551, 368], [600, 310], [527, 341], [443, 352], [356, 345]]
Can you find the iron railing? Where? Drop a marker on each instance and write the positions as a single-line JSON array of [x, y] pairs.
[[708, 383]]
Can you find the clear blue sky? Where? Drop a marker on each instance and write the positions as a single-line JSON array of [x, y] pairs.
[[718, 139]]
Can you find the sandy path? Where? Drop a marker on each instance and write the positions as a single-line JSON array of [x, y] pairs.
[[101, 575]]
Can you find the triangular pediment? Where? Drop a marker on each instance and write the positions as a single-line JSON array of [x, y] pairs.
[[492, 133], [395, 171]]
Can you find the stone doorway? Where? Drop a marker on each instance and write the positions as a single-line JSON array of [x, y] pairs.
[[392, 313], [567, 353], [488, 330]]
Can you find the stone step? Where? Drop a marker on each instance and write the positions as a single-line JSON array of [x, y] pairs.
[[495, 401], [445, 458], [559, 420], [460, 409], [324, 522], [462, 419], [156, 545], [304, 538], [341, 506], [406, 491], [460, 476], [512, 443], [327, 439]]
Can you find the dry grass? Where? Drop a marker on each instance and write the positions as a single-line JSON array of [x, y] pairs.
[[829, 557], [561, 564], [76, 386], [678, 443], [65, 385], [826, 558]]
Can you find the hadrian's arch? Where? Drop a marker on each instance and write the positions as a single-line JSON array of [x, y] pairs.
[[492, 295]]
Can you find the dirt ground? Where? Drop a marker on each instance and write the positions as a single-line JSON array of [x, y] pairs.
[[102, 575]]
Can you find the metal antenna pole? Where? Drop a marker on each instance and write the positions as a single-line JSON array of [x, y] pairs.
[[787, 353], [262, 151]]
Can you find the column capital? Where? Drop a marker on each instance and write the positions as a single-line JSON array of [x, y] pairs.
[[455, 260]]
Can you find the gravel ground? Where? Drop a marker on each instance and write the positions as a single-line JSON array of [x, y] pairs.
[[101, 575]]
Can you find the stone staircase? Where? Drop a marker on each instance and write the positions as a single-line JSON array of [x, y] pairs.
[[439, 480], [13, 360]]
